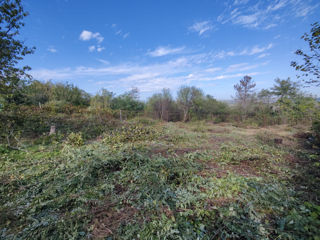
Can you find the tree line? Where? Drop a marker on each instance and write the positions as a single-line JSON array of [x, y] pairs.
[[285, 102]]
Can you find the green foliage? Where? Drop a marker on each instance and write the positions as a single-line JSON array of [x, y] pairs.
[[310, 66], [100, 191], [102, 100], [128, 101], [244, 94], [284, 88], [235, 154], [131, 133], [38, 93], [12, 50], [316, 130], [187, 98], [75, 139]]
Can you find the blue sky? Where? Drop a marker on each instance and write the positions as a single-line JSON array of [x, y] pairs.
[[149, 44]]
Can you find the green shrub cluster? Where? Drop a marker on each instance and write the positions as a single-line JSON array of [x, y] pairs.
[[131, 133], [75, 139]]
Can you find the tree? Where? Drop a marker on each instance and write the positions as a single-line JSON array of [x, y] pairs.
[[12, 78], [129, 101], [12, 50], [187, 98], [265, 96], [244, 91], [160, 104], [310, 68], [102, 100], [70, 94], [38, 93], [284, 88]]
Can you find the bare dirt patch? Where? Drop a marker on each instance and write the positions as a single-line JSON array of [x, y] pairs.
[[107, 219]]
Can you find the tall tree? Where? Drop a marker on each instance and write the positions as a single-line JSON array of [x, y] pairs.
[[244, 91], [160, 104], [187, 99], [102, 100], [265, 96], [12, 50], [310, 67], [284, 88]]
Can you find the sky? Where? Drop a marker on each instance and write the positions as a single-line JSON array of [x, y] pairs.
[[156, 44]]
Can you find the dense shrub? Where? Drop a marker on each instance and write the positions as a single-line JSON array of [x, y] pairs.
[[316, 131]]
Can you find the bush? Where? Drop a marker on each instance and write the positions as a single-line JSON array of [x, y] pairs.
[[316, 131], [130, 133], [75, 139]]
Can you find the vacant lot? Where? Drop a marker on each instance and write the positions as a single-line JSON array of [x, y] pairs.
[[164, 181]]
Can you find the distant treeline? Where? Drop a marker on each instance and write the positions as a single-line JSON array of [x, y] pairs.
[[32, 108], [283, 103]]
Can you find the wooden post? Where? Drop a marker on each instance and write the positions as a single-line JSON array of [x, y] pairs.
[[52, 130]]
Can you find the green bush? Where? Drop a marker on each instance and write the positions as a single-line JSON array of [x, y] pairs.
[[75, 139], [316, 131], [131, 133]]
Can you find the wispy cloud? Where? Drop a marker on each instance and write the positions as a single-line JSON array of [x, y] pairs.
[[119, 32], [52, 49], [240, 67], [256, 49], [201, 27], [87, 35], [265, 14], [95, 48], [151, 77], [263, 55], [214, 69], [245, 52], [92, 48], [163, 51], [103, 61]]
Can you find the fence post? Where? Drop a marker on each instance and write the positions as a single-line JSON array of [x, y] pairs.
[[52, 130]]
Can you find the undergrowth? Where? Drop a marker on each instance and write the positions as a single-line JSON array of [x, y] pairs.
[[117, 189]]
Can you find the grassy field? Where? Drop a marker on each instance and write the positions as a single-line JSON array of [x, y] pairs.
[[153, 180]]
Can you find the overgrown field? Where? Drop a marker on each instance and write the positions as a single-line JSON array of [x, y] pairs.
[[152, 180]]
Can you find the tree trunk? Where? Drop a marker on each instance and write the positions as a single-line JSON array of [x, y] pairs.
[[185, 115]]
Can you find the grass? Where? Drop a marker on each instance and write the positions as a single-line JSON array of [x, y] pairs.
[[156, 180]]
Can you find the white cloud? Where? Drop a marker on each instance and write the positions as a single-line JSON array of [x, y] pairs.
[[103, 61], [185, 69], [271, 25], [87, 35], [201, 27], [52, 49], [257, 49], [126, 35], [303, 11], [99, 49], [119, 32], [245, 52], [92, 48], [240, 2], [263, 55], [163, 51], [265, 14], [211, 70], [241, 67], [235, 75]]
